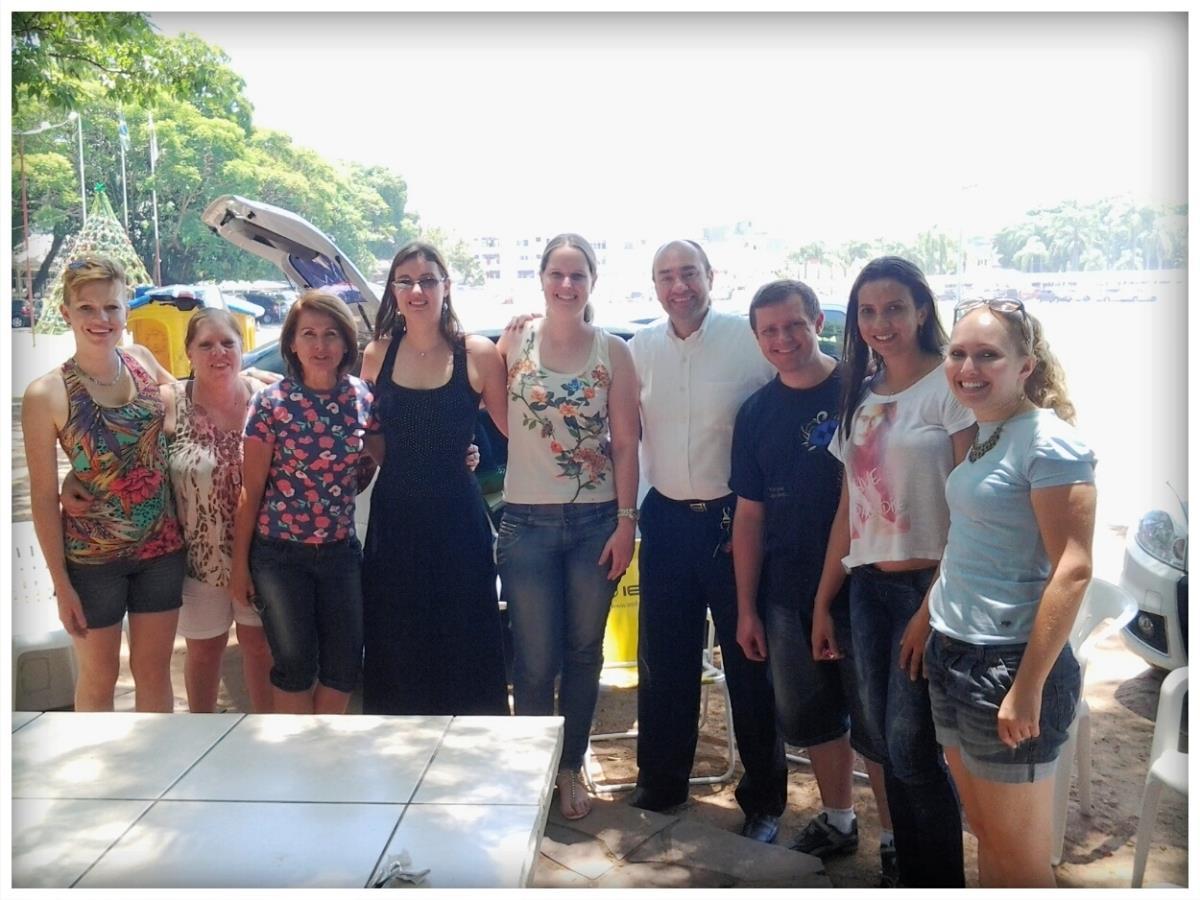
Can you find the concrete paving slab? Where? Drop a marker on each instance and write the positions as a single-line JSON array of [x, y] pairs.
[[581, 853], [549, 874], [665, 875], [690, 842], [618, 826]]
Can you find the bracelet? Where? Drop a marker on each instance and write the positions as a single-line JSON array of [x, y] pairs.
[[628, 512]]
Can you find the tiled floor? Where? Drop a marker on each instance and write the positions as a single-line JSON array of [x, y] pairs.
[[231, 801]]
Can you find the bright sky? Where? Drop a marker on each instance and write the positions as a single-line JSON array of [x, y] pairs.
[[816, 126]]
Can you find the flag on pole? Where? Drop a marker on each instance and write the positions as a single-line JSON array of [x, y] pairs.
[[123, 132]]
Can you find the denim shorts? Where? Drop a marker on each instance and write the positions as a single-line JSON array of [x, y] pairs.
[[310, 601], [815, 702], [108, 590], [968, 682]]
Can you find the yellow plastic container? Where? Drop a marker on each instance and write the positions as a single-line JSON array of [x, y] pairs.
[[162, 327], [621, 632]]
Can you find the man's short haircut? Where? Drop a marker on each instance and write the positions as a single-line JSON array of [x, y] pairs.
[[682, 243], [777, 292]]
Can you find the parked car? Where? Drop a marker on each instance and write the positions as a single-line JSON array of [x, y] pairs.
[[274, 304], [1155, 574], [22, 314]]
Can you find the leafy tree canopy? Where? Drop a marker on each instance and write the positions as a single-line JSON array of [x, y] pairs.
[[64, 59]]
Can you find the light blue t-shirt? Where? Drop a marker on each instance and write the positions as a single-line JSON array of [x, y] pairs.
[[995, 565]]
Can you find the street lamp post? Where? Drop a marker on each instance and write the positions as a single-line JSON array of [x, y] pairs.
[[45, 126]]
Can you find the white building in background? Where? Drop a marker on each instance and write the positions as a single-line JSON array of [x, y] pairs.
[[510, 266], [742, 257]]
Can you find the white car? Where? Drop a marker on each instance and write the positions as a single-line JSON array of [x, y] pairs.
[[1155, 575]]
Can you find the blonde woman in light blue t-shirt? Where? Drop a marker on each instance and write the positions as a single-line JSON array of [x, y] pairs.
[[1003, 682]]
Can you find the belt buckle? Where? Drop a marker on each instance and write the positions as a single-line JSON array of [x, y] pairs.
[[698, 506]]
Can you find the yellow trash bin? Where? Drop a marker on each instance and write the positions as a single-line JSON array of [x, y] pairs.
[[160, 324], [161, 327], [621, 632]]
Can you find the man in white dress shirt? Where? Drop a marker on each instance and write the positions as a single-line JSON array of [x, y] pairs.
[[695, 370]]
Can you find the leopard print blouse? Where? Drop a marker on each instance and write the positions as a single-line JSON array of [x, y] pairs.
[[206, 475]]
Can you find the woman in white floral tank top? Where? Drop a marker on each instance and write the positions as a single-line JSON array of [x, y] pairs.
[[570, 491]]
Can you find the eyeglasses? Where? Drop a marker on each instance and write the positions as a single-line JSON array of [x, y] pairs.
[[426, 283], [86, 262]]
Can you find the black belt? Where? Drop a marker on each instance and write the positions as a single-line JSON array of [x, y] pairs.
[[701, 506]]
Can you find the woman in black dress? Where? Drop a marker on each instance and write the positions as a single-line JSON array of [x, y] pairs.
[[431, 619]]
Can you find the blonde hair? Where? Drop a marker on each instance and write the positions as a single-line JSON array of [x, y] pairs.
[[1047, 385], [92, 267]]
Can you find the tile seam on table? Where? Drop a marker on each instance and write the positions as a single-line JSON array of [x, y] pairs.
[[404, 811], [153, 801], [149, 806]]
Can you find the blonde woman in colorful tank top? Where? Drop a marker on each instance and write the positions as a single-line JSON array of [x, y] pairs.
[[103, 407], [570, 500]]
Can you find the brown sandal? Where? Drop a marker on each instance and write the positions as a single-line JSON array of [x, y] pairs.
[[573, 799]]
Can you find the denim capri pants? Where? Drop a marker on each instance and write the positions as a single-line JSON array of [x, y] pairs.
[[310, 601]]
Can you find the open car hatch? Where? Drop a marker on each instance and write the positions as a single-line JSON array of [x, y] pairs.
[[306, 256]]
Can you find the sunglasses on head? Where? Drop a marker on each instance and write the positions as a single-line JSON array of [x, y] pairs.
[[999, 305]]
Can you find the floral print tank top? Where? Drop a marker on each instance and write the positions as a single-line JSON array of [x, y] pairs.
[[558, 436], [206, 477], [120, 455]]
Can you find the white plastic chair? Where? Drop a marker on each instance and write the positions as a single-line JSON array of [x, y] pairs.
[[1168, 766], [1103, 601], [44, 668]]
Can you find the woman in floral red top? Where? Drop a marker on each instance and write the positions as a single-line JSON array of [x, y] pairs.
[[304, 464]]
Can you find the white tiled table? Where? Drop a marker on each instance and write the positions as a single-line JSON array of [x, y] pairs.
[[174, 801]]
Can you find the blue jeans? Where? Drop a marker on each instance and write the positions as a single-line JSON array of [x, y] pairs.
[[925, 813], [558, 599], [310, 600]]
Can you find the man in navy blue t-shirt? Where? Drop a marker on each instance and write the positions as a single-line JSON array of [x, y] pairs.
[[788, 487]]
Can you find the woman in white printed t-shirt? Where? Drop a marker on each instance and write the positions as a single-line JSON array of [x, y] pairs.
[[901, 431]]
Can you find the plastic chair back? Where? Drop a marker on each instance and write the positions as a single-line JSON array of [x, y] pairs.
[[1169, 718], [1103, 600]]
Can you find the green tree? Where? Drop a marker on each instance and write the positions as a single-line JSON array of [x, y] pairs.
[[1033, 257], [465, 269], [936, 252], [66, 59]]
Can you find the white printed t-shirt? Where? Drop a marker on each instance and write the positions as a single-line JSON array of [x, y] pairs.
[[897, 460]]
